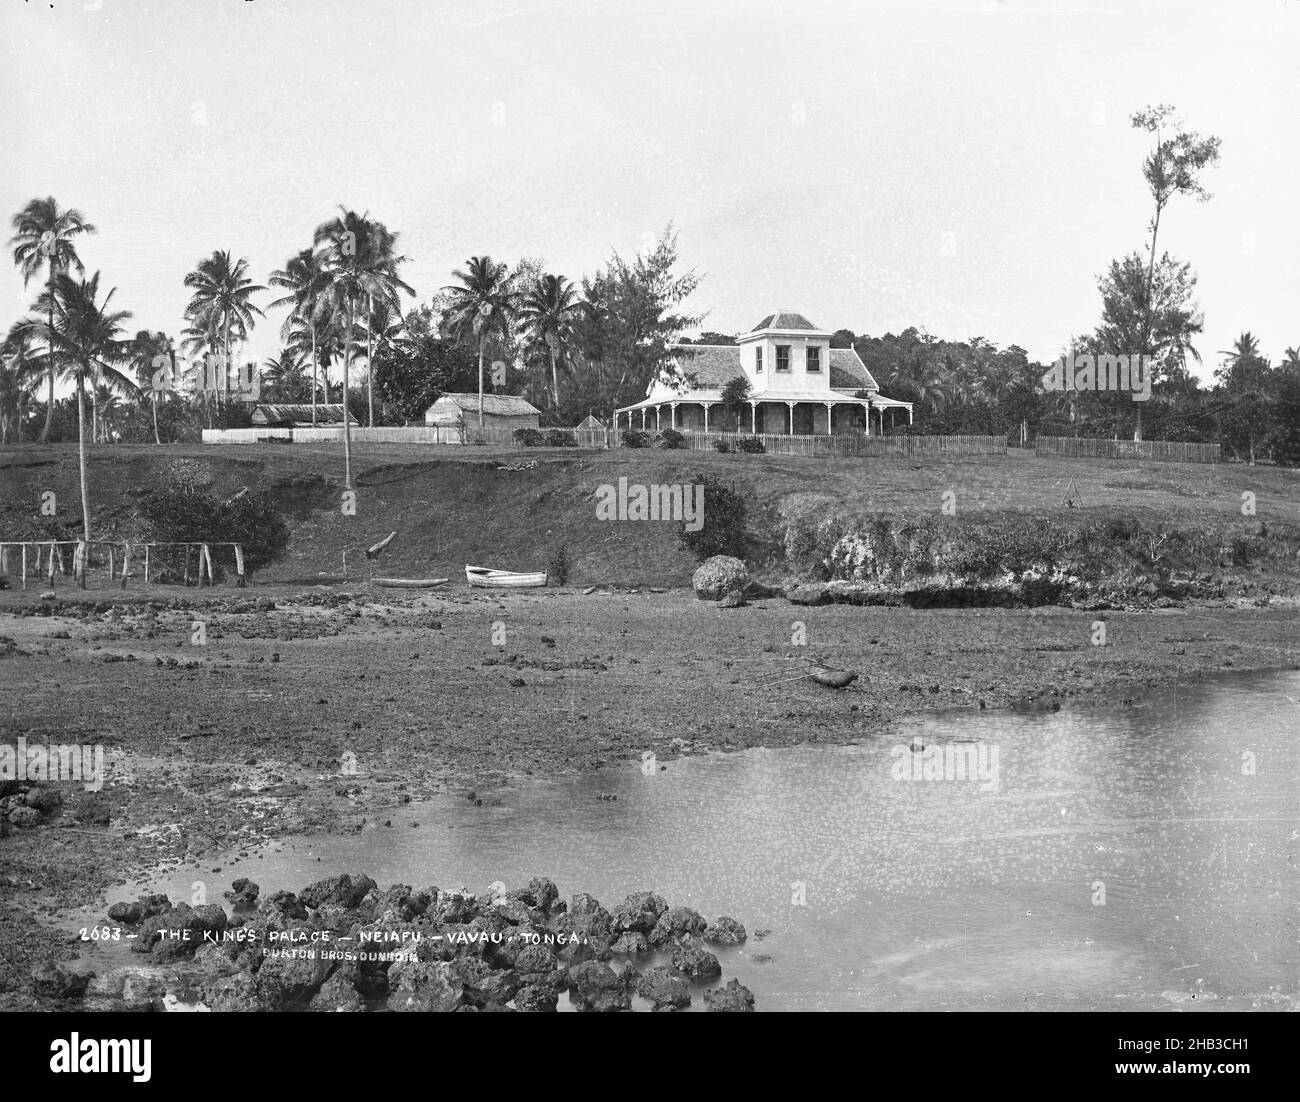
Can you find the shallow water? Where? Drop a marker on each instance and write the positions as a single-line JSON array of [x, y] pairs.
[[1125, 859]]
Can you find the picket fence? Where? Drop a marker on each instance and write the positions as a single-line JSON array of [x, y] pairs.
[[1078, 447]]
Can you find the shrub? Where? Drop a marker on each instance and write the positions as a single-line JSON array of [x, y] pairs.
[[186, 511], [751, 444], [560, 438], [635, 438], [670, 438], [557, 566], [723, 532], [529, 438], [721, 446]]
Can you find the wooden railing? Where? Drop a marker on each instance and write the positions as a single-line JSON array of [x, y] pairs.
[[1080, 447]]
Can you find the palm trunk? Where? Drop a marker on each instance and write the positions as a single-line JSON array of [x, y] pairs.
[[314, 384], [81, 445], [347, 432], [225, 368], [480, 383], [49, 407], [94, 417], [555, 383], [370, 359]]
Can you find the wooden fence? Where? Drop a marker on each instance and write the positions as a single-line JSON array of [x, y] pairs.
[[1078, 447], [855, 444], [409, 434], [45, 559]]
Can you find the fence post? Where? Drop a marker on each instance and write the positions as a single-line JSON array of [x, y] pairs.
[[79, 557], [126, 561], [239, 563], [207, 556], [146, 564], [24, 566]]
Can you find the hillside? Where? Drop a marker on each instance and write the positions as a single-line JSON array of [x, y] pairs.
[[453, 505]]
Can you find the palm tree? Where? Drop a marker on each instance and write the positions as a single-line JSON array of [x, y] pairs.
[[284, 377], [43, 234], [359, 259], [221, 303], [1245, 350], [549, 312], [307, 281], [20, 373], [83, 332], [482, 307], [151, 352]]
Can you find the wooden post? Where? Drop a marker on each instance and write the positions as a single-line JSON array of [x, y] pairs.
[[126, 561], [51, 562], [24, 566], [207, 556], [80, 557], [187, 564], [239, 564], [111, 571]]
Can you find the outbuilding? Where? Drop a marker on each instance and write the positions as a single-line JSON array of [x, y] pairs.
[[500, 411]]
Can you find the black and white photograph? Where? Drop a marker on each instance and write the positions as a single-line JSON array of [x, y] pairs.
[[700, 506]]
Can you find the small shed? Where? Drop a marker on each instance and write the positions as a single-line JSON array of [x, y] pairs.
[[287, 415], [500, 411], [591, 423]]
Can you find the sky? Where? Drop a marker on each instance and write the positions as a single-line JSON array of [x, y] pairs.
[[964, 167]]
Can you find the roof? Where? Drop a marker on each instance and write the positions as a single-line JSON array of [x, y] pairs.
[[273, 412], [715, 365], [784, 319], [591, 421], [499, 405]]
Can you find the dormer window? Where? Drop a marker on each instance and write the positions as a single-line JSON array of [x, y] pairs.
[[758, 360], [782, 357], [814, 357]]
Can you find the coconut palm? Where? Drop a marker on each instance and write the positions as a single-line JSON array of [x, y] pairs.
[[482, 307], [44, 234], [284, 377], [87, 338], [359, 258], [220, 304], [20, 374], [307, 281], [548, 313], [152, 352]]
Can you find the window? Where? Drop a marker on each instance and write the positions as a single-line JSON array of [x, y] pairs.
[[758, 360], [814, 357], [783, 357]]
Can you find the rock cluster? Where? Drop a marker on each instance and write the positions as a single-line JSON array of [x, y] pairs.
[[24, 804], [342, 944]]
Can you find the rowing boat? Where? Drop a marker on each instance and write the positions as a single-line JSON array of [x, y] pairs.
[[411, 583], [503, 579]]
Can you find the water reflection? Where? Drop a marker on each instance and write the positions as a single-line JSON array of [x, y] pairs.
[[1133, 857]]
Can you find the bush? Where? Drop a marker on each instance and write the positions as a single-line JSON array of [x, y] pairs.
[[529, 438], [721, 446], [670, 438], [635, 438], [723, 532], [560, 438], [186, 511], [751, 444]]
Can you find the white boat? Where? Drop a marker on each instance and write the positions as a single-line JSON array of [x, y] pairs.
[[502, 579], [411, 583]]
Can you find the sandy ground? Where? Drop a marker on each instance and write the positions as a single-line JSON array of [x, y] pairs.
[[247, 736]]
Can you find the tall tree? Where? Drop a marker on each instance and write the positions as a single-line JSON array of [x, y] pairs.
[[150, 353], [45, 234], [221, 303], [1173, 167], [548, 312], [307, 281], [20, 374], [482, 307], [88, 338], [1246, 381]]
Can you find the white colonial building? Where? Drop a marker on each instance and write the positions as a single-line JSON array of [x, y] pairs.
[[798, 384]]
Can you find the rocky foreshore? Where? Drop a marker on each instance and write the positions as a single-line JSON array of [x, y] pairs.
[[342, 944]]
